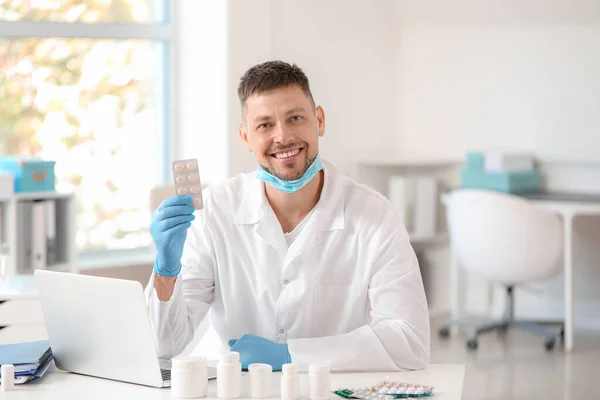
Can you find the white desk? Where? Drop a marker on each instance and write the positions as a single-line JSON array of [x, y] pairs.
[[56, 385], [568, 206]]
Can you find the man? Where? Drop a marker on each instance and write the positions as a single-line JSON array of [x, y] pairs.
[[295, 262]]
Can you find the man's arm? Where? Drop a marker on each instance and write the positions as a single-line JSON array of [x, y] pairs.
[[164, 286], [398, 335], [177, 306]]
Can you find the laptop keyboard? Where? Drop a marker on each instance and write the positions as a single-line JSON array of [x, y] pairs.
[[166, 374]]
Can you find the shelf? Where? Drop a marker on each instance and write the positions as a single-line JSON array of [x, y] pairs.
[[60, 267], [42, 195], [115, 258], [409, 161]]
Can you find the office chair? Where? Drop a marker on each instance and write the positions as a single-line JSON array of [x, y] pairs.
[[506, 240]]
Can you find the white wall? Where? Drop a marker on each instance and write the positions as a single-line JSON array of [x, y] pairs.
[[516, 75], [201, 81], [346, 48], [427, 77]]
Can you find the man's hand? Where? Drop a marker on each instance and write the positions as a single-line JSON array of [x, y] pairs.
[[255, 349], [169, 227]]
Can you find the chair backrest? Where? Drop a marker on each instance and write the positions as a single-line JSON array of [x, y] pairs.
[[503, 238]]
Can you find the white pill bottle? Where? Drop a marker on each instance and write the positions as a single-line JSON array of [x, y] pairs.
[[260, 380], [189, 378], [229, 376], [319, 382], [289, 382]]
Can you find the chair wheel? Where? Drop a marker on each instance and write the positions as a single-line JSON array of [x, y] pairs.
[[549, 344], [472, 344], [444, 332]]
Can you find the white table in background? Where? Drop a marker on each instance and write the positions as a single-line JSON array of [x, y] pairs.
[[56, 385], [568, 206]]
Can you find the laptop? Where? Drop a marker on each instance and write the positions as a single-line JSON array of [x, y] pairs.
[[100, 327]]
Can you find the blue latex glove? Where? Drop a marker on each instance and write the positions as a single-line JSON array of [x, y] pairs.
[[169, 227], [255, 349]]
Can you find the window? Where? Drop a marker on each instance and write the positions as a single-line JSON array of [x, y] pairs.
[[87, 84]]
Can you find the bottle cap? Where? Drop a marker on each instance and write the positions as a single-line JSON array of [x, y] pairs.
[[231, 357], [289, 369], [318, 369], [188, 362], [258, 368]]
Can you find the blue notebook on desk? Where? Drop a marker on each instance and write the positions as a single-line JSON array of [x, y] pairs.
[[26, 357]]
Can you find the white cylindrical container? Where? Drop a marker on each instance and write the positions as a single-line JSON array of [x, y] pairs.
[[289, 382], [189, 378], [229, 376], [7, 381], [260, 380], [319, 382]]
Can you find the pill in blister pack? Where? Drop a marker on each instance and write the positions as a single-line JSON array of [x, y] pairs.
[[386, 390], [187, 181]]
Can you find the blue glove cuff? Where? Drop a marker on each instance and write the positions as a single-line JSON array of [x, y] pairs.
[[171, 272]]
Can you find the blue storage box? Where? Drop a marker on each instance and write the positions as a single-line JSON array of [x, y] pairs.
[[31, 174], [508, 182], [475, 161]]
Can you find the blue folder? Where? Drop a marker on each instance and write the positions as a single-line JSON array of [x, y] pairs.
[[26, 357]]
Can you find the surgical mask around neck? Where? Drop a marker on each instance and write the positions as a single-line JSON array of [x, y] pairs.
[[290, 186]]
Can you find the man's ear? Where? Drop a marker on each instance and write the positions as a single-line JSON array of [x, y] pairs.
[[244, 136], [321, 120]]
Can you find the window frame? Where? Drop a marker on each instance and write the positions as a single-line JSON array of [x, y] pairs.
[[164, 32]]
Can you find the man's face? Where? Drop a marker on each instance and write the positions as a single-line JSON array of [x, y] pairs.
[[282, 128]]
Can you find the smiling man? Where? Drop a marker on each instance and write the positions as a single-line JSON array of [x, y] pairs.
[[295, 262]]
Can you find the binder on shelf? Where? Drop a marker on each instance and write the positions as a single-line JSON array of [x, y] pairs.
[[426, 204], [2, 227], [399, 196], [51, 243], [24, 263], [38, 235]]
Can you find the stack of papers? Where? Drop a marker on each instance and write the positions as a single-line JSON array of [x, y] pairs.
[[31, 359]]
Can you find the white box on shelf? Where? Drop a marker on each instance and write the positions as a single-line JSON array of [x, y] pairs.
[[499, 161], [426, 207], [7, 185], [399, 196]]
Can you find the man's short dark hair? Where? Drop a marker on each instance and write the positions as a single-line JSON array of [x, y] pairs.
[[271, 75]]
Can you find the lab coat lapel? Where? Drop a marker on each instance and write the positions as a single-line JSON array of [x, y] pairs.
[[269, 229], [327, 216], [255, 210]]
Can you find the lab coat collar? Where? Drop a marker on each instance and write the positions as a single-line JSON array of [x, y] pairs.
[[328, 213]]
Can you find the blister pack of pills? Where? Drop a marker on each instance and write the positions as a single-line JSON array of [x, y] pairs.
[[186, 177], [386, 390]]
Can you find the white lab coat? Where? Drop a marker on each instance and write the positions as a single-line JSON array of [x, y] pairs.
[[347, 293]]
